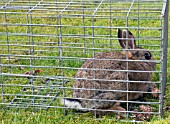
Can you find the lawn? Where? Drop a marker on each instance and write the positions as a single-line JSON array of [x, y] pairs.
[[56, 45]]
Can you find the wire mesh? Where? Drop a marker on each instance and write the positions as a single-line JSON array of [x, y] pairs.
[[44, 43]]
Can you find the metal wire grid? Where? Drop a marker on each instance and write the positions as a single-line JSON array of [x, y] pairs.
[[50, 89], [58, 36]]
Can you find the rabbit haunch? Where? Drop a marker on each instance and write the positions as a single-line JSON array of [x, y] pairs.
[[108, 77]]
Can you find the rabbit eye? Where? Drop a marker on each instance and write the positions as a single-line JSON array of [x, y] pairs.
[[147, 56]]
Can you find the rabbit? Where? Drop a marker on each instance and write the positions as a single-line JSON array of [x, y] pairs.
[[84, 93]]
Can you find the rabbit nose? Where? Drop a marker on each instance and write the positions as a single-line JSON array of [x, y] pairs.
[[153, 65]]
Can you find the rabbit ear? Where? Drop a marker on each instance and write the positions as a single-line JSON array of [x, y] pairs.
[[131, 39], [123, 42], [120, 36]]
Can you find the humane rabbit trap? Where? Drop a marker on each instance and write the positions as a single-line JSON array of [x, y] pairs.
[[40, 97], [54, 50]]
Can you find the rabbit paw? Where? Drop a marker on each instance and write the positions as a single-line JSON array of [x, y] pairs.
[[143, 116]]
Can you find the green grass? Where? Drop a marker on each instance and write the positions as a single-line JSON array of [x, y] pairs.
[[46, 52]]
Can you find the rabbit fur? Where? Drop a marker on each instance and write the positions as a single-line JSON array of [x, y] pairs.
[[104, 64]]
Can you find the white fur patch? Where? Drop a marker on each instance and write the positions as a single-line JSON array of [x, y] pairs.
[[71, 104]]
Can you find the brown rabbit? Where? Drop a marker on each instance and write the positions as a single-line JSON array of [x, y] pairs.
[[98, 77]]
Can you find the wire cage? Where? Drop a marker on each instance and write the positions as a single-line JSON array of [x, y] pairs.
[[44, 44]]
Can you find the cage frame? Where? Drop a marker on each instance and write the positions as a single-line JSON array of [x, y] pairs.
[[59, 25]]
